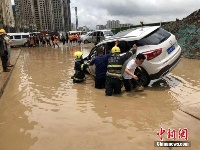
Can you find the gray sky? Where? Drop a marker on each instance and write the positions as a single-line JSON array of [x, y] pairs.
[[95, 12]]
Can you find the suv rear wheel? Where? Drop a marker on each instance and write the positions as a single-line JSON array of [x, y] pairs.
[[143, 76]]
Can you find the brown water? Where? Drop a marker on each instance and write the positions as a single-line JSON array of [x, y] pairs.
[[41, 109]]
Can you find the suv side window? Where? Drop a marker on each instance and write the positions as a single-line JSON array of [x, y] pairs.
[[93, 52], [109, 46], [123, 45], [155, 38], [130, 44]]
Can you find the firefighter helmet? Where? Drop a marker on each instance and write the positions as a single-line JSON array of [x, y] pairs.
[[115, 49], [78, 55]]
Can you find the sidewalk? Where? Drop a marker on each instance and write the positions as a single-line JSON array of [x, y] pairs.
[[5, 76]]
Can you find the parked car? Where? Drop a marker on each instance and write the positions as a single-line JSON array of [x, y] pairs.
[[103, 34], [85, 37], [158, 45], [18, 39]]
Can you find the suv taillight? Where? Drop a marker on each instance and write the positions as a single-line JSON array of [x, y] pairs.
[[153, 53]]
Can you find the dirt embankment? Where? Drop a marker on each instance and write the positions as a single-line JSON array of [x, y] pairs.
[[187, 32]]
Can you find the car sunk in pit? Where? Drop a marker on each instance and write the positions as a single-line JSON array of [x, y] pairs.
[[158, 45]]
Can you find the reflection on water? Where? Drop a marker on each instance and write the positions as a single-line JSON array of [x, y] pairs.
[[47, 111]]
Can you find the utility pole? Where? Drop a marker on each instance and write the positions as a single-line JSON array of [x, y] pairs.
[[76, 18]]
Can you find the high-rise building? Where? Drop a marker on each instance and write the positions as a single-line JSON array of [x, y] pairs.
[[44, 14], [6, 13], [112, 24], [100, 27]]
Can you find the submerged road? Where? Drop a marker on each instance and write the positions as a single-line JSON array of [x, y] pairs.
[[41, 109]]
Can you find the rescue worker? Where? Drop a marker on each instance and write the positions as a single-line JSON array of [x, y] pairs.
[[55, 42], [71, 37], [3, 50], [114, 73], [101, 62], [79, 68]]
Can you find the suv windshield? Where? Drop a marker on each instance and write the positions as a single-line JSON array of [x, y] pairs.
[[156, 37]]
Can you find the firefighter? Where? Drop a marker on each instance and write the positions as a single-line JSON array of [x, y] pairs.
[[114, 73], [79, 68]]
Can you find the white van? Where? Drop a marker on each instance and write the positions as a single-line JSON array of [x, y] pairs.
[[103, 34], [18, 39]]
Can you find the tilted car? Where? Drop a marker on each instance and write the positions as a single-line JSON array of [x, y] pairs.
[[159, 46]]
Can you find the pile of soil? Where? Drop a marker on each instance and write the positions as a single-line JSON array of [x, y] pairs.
[[187, 32]]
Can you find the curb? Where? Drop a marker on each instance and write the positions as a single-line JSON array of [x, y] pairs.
[[4, 77]]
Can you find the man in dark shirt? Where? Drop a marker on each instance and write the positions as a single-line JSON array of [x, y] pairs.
[[101, 62]]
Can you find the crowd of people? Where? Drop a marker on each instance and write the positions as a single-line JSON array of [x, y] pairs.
[[109, 74], [42, 39], [52, 40]]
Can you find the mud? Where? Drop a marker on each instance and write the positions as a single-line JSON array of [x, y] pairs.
[[41, 109]]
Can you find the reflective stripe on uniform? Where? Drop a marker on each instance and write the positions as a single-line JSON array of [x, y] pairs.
[[82, 66], [109, 66], [114, 75], [131, 52], [78, 79]]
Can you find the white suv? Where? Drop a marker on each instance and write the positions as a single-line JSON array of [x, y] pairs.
[[159, 46]]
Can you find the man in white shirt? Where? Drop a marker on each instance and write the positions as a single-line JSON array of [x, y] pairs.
[[129, 76]]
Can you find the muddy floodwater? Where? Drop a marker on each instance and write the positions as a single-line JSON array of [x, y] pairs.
[[41, 109]]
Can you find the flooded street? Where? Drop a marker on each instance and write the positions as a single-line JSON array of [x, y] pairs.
[[41, 109]]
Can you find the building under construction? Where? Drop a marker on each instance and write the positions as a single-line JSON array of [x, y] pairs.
[[43, 15]]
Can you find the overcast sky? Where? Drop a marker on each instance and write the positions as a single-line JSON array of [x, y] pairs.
[[96, 12]]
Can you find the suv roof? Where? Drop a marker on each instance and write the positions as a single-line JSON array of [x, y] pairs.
[[136, 33]]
